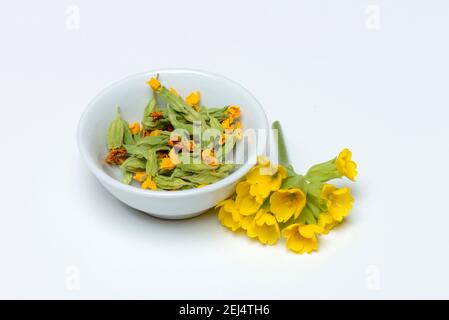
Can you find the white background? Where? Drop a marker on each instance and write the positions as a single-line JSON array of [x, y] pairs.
[[369, 75]]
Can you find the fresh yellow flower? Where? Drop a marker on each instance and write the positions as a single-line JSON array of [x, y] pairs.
[[338, 201], [246, 222], [140, 176], [327, 222], [263, 161], [193, 99], [302, 238], [345, 165], [154, 84], [173, 90], [264, 227], [245, 201], [167, 163], [285, 203], [270, 177], [148, 184], [135, 128], [260, 191], [229, 215]]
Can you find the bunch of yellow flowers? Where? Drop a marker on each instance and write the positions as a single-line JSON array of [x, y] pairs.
[[274, 201]]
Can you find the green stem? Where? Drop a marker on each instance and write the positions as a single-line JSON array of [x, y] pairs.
[[282, 148]]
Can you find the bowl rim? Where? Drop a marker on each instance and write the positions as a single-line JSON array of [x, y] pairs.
[[116, 184]]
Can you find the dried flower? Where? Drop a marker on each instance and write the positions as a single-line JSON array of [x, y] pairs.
[[149, 152], [193, 99], [116, 156], [154, 84], [156, 115], [135, 128]]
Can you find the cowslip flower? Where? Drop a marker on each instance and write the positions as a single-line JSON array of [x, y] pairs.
[[167, 163], [264, 227], [135, 127], [245, 201], [140, 176], [302, 238], [193, 99], [345, 165], [234, 112], [148, 184], [265, 174], [271, 198], [227, 124], [116, 156], [327, 222], [229, 215], [286, 203], [265, 178], [154, 84], [146, 181], [340, 166], [338, 201], [260, 191]]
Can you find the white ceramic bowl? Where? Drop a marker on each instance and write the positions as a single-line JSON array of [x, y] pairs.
[[132, 94]]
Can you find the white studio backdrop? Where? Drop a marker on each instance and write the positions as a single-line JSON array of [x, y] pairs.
[[369, 75]]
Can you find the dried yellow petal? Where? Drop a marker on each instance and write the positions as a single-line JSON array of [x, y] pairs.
[[154, 84]]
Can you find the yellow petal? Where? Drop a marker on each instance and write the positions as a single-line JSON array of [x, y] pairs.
[[247, 204], [135, 128], [242, 188], [148, 184], [286, 203], [327, 222], [234, 111], [265, 227], [193, 98], [227, 219], [154, 84], [309, 231], [226, 124], [345, 165], [290, 230], [140, 176], [167, 164], [295, 244]]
